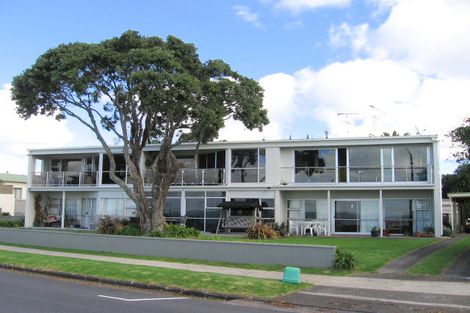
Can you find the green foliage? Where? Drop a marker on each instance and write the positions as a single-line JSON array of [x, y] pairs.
[[459, 181], [281, 228], [175, 231], [344, 260], [17, 222], [429, 230], [262, 231], [461, 136], [110, 225], [5, 214], [142, 89], [447, 231], [130, 230], [375, 231]]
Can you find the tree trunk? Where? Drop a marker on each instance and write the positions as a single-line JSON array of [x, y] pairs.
[[164, 171]]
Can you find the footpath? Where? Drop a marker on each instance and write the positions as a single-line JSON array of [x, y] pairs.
[[325, 287]]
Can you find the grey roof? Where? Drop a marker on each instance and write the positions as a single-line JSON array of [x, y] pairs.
[[13, 178]]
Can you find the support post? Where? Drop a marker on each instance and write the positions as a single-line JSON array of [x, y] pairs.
[[62, 218], [381, 213]]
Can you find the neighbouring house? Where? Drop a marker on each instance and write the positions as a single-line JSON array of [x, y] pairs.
[[456, 211], [349, 184], [12, 194]]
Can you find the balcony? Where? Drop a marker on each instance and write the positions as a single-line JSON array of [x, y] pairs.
[[196, 177], [64, 179], [349, 174]]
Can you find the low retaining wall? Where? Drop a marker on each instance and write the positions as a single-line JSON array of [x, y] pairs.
[[234, 252]]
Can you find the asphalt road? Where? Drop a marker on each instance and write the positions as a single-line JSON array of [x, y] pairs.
[[27, 293]]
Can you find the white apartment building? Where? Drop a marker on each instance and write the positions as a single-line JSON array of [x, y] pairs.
[[350, 184]]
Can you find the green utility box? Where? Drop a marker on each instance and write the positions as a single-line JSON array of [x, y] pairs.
[[291, 275]]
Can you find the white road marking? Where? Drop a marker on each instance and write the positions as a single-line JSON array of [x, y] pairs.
[[385, 300], [143, 299]]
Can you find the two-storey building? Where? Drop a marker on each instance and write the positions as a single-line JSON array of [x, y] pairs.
[[351, 184]]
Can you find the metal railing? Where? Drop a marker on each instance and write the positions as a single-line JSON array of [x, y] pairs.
[[199, 177], [61, 179], [355, 174]]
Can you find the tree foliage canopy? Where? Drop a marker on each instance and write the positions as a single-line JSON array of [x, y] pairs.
[[459, 181], [142, 89], [461, 136]]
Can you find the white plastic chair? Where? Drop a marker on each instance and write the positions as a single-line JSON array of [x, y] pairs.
[[310, 226], [294, 227]]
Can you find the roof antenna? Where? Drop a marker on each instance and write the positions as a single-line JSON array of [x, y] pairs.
[[307, 137], [326, 134], [290, 137]]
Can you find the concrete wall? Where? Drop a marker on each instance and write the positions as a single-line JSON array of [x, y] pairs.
[[234, 252]]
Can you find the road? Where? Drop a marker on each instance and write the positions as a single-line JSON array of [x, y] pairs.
[[27, 293]]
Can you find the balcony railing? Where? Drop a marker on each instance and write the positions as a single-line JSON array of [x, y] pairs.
[[200, 177], [355, 174], [61, 179]]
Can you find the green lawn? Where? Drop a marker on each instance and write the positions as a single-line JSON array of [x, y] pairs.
[[226, 284], [437, 262], [371, 253]]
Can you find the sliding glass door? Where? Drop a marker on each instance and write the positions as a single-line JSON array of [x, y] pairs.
[[347, 216]]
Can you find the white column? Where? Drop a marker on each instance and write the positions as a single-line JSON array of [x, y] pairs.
[[381, 213], [62, 219], [100, 169], [437, 194], [280, 211], [451, 217], [183, 203], [328, 197], [228, 166], [29, 212]]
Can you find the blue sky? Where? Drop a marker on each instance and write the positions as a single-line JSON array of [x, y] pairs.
[[285, 41], [395, 64]]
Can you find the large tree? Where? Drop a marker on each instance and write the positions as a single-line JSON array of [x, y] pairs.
[[141, 89], [459, 181]]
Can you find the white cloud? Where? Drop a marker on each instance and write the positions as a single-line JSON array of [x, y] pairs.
[[297, 6], [410, 74], [431, 36], [279, 90], [350, 36], [246, 14], [18, 135]]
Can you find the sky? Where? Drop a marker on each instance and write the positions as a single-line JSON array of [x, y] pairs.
[[346, 67]]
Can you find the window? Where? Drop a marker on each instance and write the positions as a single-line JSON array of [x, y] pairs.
[[120, 168], [411, 163], [364, 164], [398, 216], [315, 166], [356, 216], [248, 165], [18, 193], [342, 165]]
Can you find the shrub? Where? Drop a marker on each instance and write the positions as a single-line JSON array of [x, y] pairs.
[[375, 231], [344, 261], [130, 230], [429, 230], [280, 228], [5, 214], [261, 231], [447, 231], [110, 225], [11, 223], [175, 231]]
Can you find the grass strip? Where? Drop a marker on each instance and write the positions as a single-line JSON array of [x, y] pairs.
[[371, 253], [209, 282], [437, 262]]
